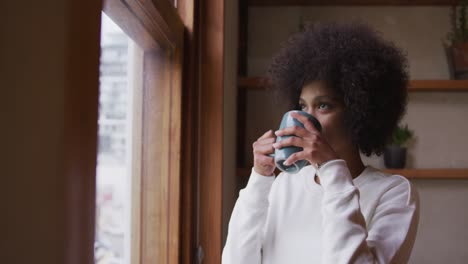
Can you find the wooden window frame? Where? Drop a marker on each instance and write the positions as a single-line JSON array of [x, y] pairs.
[[195, 188], [211, 129], [202, 137], [155, 26]]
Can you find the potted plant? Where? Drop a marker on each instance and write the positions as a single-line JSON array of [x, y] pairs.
[[395, 152], [457, 47]]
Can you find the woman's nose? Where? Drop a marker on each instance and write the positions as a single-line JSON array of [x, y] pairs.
[[310, 112]]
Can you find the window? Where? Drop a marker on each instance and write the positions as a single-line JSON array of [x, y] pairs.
[[157, 29], [117, 172], [138, 169]]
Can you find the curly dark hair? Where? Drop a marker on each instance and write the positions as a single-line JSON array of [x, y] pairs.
[[368, 73]]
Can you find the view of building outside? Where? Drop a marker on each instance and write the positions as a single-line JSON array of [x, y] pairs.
[[113, 191]]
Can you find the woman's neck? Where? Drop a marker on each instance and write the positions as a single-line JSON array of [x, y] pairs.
[[354, 162]]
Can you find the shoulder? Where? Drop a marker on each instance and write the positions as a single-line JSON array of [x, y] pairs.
[[392, 187]]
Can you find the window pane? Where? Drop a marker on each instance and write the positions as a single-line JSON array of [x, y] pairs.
[[115, 159]]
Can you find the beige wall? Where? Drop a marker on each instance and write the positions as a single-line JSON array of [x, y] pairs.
[[438, 119], [49, 128], [32, 132], [418, 30], [34, 65]]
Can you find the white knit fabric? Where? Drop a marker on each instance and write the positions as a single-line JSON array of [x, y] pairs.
[[292, 219]]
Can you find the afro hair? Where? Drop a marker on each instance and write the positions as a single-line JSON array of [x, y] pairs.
[[368, 73]]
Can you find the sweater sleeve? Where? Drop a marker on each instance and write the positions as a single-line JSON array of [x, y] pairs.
[[244, 240], [388, 237]]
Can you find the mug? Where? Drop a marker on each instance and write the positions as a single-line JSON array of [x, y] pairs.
[[281, 155]]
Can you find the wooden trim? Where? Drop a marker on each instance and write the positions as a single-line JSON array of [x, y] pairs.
[[440, 174], [80, 129], [190, 126], [438, 86], [154, 25], [135, 155], [157, 28], [118, 11], [153, 239], [175, 111], [165, 15], [256, 83], [211, 128], [157, 203], [160, 213], [351, 2], [251, 83]]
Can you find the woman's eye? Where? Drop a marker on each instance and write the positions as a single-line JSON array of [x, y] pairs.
[[324, 106], [302, 107]]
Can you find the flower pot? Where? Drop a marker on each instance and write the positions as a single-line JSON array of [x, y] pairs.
[[395, 157], [459, 52]]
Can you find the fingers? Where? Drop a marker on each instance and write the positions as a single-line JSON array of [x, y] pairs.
[[306, 122], [293, 130], [265, 160], [267, 134], [290, 141], [314, 152], [301, 155], [263, 163], [264, 146]]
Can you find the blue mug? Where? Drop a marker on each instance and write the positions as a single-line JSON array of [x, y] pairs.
[[281, 155]]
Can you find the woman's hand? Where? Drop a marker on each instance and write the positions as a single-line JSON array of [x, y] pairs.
[[316, 149], [262, 148]]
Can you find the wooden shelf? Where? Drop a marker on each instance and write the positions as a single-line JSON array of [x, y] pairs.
[[439, 174], [438, 86], [350, 2], [251, 83], [256, 83]]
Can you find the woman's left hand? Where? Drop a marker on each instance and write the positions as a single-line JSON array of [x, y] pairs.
[[316, 149]]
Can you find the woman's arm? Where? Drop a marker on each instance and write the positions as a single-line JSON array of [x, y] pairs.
[[390, 235], [243, 243]]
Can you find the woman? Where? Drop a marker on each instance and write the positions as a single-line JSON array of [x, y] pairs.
[[336, 210]]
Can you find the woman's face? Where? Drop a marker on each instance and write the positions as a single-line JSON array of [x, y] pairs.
[[324, 105]]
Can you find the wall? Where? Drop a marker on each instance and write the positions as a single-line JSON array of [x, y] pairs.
[[438, 119], [36, 78], [32, 143], [34, 57]]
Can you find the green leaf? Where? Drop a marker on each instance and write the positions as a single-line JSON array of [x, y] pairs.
[[401, 135]]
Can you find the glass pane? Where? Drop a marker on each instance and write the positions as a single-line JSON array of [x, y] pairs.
[[114, 166]]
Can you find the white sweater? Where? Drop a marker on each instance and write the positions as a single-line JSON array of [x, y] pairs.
[[294, 220]]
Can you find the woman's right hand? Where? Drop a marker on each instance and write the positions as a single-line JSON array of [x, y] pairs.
[[264, 164]]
